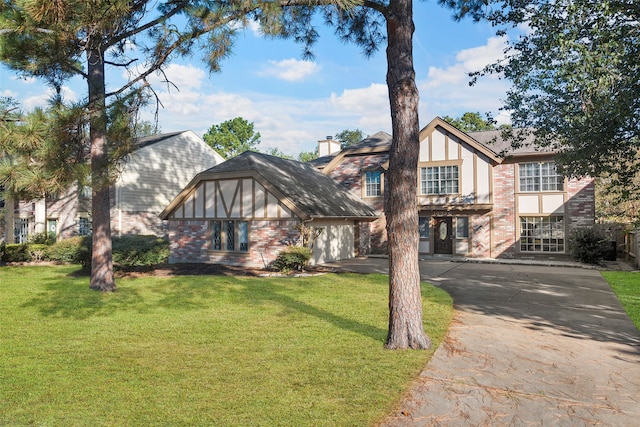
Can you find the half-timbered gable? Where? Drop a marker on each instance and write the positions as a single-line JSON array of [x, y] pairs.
[[247, 209], [476, 195]]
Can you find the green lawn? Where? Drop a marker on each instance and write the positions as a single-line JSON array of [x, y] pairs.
[[202, 350], [626, 285]]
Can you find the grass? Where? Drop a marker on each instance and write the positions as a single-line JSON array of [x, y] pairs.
[[202, 350], [626, 285]]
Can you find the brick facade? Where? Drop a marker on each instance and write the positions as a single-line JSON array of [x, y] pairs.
[[494, 232], [349, 173], [504, 237], [190, 243]]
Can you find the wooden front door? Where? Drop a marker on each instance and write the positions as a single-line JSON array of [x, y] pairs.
[[442, 235]]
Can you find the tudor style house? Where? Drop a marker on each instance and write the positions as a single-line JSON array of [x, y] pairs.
[[249, 208], [471, 200], [155, 172]]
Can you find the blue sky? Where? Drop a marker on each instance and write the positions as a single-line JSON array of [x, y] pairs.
[[293, 103]]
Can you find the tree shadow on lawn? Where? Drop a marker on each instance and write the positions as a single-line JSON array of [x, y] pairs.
[[74, 299]]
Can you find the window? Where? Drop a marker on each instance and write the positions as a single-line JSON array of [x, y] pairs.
[[230, 236], [540, 177], [423, 227], [373, 183], [462, 227], [20, 230], [439, 180], [542, 234], [85, 192], [84, 227]]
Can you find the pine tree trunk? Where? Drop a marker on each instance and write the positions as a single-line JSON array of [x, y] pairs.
[[102, 277], [405, 300]]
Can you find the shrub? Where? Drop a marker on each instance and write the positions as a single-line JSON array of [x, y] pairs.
[[38, 251], [40, 238], [140, 251], [75, 250], [589, 244], [16, 252], [293, 258]]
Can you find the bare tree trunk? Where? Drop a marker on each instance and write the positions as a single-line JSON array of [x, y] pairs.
[[405, 300], [102, 277]]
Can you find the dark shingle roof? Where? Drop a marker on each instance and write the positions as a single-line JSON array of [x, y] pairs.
[[377, 140], [314, 193], [494, 141]]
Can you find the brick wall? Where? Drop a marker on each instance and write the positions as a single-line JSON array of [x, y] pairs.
[[349, 173], [190, 242], [504, 211], [480, 235], [581, 205]]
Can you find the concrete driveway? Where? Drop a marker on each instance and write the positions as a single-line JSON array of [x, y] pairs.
[[530, 345]]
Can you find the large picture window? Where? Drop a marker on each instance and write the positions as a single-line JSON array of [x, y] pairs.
[[542, 234], [230, 236], [540, 177], [439, 180], [372, 183]]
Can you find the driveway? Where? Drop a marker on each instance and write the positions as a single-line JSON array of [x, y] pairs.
[[530, 345]]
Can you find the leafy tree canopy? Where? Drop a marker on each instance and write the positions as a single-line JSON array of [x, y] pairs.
[[574, 77], [307, 156], [33, 164], [471, 122], [232, 137], [349, 137]]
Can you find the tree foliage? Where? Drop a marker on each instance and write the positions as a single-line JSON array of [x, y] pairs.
[[349, 137], [33, 163], [58, 40], [471, 122], [232, 137], [307, 156], [574, 77]]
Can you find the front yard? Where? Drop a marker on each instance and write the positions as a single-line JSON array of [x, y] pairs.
[[626, 285], [202, 350]]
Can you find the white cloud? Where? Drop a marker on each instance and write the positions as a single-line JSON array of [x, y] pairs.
[[183, 76], [446, 91], [42, 100], [467, 61], [8, 93], [291, 70]]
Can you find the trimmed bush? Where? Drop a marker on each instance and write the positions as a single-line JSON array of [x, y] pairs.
[[76, 250], [16, 252], [292, 258], [589, 245], [140, 251]]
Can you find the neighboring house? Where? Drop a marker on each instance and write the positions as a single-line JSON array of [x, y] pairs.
[[155, 172], [247, 209], [471, 200]]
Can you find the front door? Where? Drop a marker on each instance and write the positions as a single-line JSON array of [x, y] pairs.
[[52, 229], [442, 235]]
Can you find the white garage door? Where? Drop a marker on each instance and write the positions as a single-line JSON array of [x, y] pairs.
[[336, 242]]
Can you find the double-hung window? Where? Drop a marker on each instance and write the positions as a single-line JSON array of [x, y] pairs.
[[540, 177], [372, 183], [230, 236], [439, 180]]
